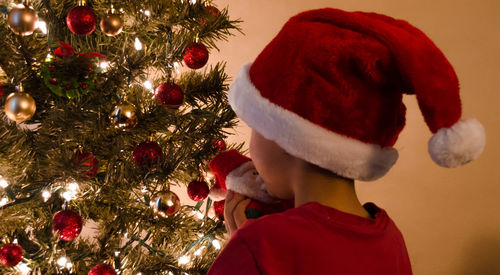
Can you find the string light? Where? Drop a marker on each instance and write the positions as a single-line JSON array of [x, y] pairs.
[[46, 195], [137, 44], [62, 261], [147, 13], [3, 182], [184, 260], [193, 1], [216, 244], [176, 68], [42, 26], [23, 268], [199, 251], [148, 85], [71, 191], [104, 65], [3, 201]]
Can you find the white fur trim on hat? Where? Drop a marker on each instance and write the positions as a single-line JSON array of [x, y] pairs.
[[340, 154], [246, 180], [459, 144]]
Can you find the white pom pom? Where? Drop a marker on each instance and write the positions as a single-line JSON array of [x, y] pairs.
[[217, 194], [459, 144]]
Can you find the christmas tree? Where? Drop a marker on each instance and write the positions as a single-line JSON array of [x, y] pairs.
[[98, 124]]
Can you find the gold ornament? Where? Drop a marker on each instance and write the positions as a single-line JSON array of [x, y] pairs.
[[112, 23], [22, 19], [166, 204], [124, 116], [20, 106]]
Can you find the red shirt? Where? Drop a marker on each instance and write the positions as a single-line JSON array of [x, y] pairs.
[[316, 239]]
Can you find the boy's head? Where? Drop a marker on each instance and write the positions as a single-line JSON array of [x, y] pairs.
[[328, 90], [277, 167]]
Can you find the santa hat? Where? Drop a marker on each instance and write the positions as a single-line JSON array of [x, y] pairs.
[[236, 172], [328, 89]]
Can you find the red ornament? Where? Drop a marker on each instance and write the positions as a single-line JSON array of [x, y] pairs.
[[1, 90], [11, 254], [147, 153], [196, 56], [211, 12], [83, 85], [219, 144], [198, 190], [69, 86], [88, 160], [67, 224], [170, 95], [219, 209], [53, 81], [102, 269], [81, 20]]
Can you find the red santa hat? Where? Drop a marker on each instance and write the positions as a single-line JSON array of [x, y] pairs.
[[329, 87]]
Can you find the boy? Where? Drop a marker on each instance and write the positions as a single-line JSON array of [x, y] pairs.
[[324, 101]]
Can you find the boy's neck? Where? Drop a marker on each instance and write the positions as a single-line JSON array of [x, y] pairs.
[[312, 185]]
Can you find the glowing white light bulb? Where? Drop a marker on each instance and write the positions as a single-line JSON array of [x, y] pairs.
[[137, 44], [73, 187], [104, 65], [199, 251], [184, 259], [62, 261], [3, 182], [46, 195], [148, 85], [147, 13], [216, 244], [23, 268], [3, 201], [193, 1], [42, 26]]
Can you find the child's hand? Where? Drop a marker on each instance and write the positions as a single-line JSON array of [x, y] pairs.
[[234, 211]]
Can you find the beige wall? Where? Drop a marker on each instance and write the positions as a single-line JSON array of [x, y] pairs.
[[449, 217]]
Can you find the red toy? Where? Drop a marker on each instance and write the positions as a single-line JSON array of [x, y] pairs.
[[236, 172]]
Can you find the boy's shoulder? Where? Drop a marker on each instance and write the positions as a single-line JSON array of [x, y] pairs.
[[314, 217]]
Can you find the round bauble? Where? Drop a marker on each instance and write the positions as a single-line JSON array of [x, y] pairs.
[[102, 269], [211, 12], [198, 190], [22, 20], [147, 153], [166, 204], [124, 116], [196, 56], [81, 20], [11, 254], [111, 24], [20, 107], [67, 225], [219, 145], [169, 95], [89, 161]]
